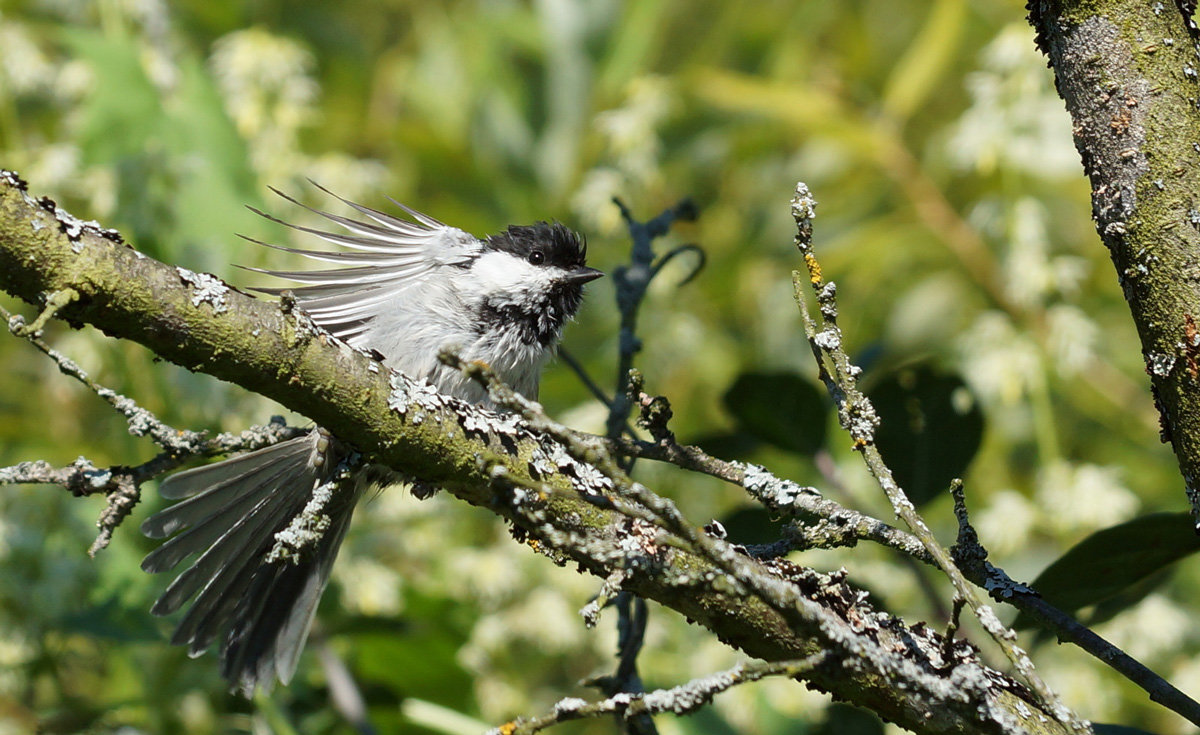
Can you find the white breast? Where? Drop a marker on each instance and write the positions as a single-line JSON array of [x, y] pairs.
[[429, 317]]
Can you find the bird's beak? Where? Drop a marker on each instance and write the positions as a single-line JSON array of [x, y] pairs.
[[582, 275]]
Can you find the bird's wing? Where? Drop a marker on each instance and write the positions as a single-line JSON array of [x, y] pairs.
[[387, 256]]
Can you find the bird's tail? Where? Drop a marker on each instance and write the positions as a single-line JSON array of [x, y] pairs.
[[267, 526]]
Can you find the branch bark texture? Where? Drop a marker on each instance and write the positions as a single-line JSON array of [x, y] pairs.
[[773, 610], [1129, 73]]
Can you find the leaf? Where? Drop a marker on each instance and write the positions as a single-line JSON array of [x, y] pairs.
[[916, 74], [422, 662], [781, 409], [1114, 559], [1108, 609], [122, 113], [729, 445], [209, 196], [845, 719], [931, 429], [752, 525], [113, 620], [1102, 729]]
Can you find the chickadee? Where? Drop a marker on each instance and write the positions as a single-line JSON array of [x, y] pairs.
[[411, 289]]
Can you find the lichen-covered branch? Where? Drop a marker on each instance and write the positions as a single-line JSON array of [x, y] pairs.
[[773, 610], [858, 418], [972, 559], [681, 700], [1129, 73], [122, 484]]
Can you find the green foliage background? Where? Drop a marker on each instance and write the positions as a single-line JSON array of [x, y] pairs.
[[953, 216]]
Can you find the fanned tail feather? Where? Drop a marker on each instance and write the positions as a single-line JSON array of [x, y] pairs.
[[260, 609]]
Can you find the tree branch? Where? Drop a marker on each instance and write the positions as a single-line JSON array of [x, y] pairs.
[[972, 559], [1128, 72], [681, 700], [774, 610], [858, 418]]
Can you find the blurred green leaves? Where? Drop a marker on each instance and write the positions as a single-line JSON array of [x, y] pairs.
[[1116, 562], [179, 161], [923, 128], [122, 116], [781, 409], [918, 72], [932, 427]]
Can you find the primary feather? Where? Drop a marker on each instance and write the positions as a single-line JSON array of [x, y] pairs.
[[393, 255]]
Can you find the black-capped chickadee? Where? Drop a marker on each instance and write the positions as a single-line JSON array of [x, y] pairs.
[[410, 289]]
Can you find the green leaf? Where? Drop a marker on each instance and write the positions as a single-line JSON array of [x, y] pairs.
[[845, 719], [931, 429], [113, 620], [215, 182], [422, 661], [1114, 559], [1133, 594], [122, 114], [729, 445], [752, 525], [781, 409], [1102, 729], [917, 73]]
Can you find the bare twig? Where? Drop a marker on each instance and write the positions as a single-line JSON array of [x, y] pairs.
[[773, 609], [836, 525], [858, 418], [631, 282], [344, 692], [626, 682], [582, 373], [121, 484], [141, 422], [608, 590], [972, 559], [744, 577], [681, 700]]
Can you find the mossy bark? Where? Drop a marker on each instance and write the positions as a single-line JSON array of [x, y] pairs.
[[1129, 73]]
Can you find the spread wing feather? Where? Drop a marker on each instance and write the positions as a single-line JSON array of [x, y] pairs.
[[388, 254]]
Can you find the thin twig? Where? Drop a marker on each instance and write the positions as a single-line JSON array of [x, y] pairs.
[[631, 634], [879, 652], [345, 694], [631, 282], [680, 700], [141, 422], [742, 576], [836, 525], [580, 371], [122, 484], [972, 559], [858, 418]]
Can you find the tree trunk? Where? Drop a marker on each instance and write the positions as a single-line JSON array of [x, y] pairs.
[[1129, 74]]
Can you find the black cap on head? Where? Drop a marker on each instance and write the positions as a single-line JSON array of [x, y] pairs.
[[555, 244]]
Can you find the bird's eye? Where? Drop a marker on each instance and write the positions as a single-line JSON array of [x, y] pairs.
[[537, 257]]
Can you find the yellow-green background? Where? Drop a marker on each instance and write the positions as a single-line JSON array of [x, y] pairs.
[[953, 215]]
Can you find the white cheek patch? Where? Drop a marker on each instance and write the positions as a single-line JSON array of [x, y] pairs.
[[501, 277]]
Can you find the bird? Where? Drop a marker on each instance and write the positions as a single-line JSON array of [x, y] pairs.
[[403, 289]]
